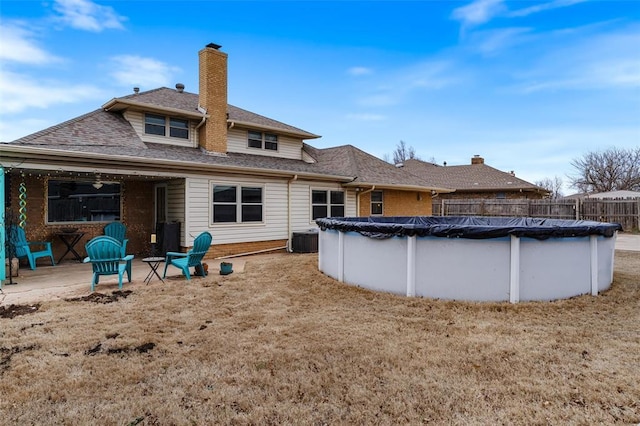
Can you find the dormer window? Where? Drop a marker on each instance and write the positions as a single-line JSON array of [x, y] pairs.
[[261, 140], [157, 125]]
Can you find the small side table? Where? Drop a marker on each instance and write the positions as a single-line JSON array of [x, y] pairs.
[[70, 239], [154, 263]]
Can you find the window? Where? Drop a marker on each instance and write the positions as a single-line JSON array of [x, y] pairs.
[[157, 125], [178, 128], [78, 201], [227, 209], [327, 204], [501, 195], [376, 203], [154, 124], [259, 140]]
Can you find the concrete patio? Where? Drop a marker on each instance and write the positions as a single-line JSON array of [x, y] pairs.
[[73, 279]]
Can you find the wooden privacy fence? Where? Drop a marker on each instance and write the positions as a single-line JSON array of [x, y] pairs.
[[626, 212]]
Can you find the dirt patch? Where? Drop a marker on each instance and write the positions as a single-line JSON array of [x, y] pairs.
[[102, 298], [144, 348], [13, 311]]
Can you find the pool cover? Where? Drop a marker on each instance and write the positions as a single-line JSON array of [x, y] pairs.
[[474, 227]]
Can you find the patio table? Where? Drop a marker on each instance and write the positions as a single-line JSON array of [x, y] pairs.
[[70, 239], [153, 262]]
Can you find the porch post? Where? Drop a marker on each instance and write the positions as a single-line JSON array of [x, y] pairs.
[[2, 229]]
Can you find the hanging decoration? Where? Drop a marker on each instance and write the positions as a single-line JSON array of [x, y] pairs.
[[22, 189]]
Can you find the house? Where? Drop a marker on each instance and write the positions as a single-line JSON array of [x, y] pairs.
[[475, 180], [170, 159]]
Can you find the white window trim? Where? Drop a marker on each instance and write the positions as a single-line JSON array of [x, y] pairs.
[[329, 190], [371, 203], [263, 141], [238, 203], [167, 126]]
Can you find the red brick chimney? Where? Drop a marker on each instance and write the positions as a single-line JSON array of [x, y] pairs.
[[477, 160], [213, 98]]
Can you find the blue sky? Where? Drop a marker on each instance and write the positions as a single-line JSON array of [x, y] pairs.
[[528, 85]]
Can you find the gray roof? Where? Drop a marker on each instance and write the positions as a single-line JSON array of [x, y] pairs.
[[369, 170], [108, 136], [473, 177], [188, 102]]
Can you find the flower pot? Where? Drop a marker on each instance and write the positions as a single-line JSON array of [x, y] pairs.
[[226, 268]]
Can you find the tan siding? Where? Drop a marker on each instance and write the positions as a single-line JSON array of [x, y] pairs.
[[136, 119], [273, 227], [288, 147], [301, 203]]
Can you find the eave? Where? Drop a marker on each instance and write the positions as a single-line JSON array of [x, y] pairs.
[[55, 159], [117, 105]]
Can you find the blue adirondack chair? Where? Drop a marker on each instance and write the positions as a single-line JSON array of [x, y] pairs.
[[192, 258], [22, 247], [105, 255], [118, 231]]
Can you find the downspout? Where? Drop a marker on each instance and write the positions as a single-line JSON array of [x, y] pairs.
[[204, 116], [204, 119], [358, 198], [289, 226]]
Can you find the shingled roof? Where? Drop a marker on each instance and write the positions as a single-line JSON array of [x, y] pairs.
[[473, 177], [369, 170], [106, 136], [166, 98]]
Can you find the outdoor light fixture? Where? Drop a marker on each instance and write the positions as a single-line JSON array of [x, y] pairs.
[[98, 183]]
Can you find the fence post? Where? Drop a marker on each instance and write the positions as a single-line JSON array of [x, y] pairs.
[[442, 209]]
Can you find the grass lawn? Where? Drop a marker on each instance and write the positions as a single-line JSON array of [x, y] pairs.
[[283, 344]]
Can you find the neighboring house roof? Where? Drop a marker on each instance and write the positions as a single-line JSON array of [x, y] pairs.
[[102, 136], [614, 194], [369, 170], [473, 177]]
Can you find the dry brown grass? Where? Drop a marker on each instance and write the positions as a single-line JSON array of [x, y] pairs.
[[281, 343]]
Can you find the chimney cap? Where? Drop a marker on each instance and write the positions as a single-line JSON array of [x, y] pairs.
[[180, 87], [213, 46], [136, 90]]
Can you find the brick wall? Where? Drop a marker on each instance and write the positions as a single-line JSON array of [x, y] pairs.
[[213, 97], [398, 203], [137, 197], [238, 248]]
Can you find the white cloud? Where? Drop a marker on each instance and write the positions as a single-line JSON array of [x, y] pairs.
[[494, 41], [358, 71], [544, 6], [89, 16], [478, 12], [132, 70], [20, 93], [18, 46], [396, 86], [601, 61]]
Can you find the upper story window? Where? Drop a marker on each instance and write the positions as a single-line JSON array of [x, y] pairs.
[[81, 201], [157, 125], [231, 202], [376, 203], [262, 140], [327, 204]]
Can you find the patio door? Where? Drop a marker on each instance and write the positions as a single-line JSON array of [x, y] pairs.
[[161, 204]]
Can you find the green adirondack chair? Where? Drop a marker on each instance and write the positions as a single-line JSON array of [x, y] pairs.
[[118, 231], [192, 258], [105, 255], [22, 247]]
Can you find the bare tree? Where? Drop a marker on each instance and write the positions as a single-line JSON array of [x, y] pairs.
[[402, 153], [553, 185], [614, 169]]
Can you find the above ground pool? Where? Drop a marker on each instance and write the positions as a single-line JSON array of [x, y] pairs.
[[470, 258]]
